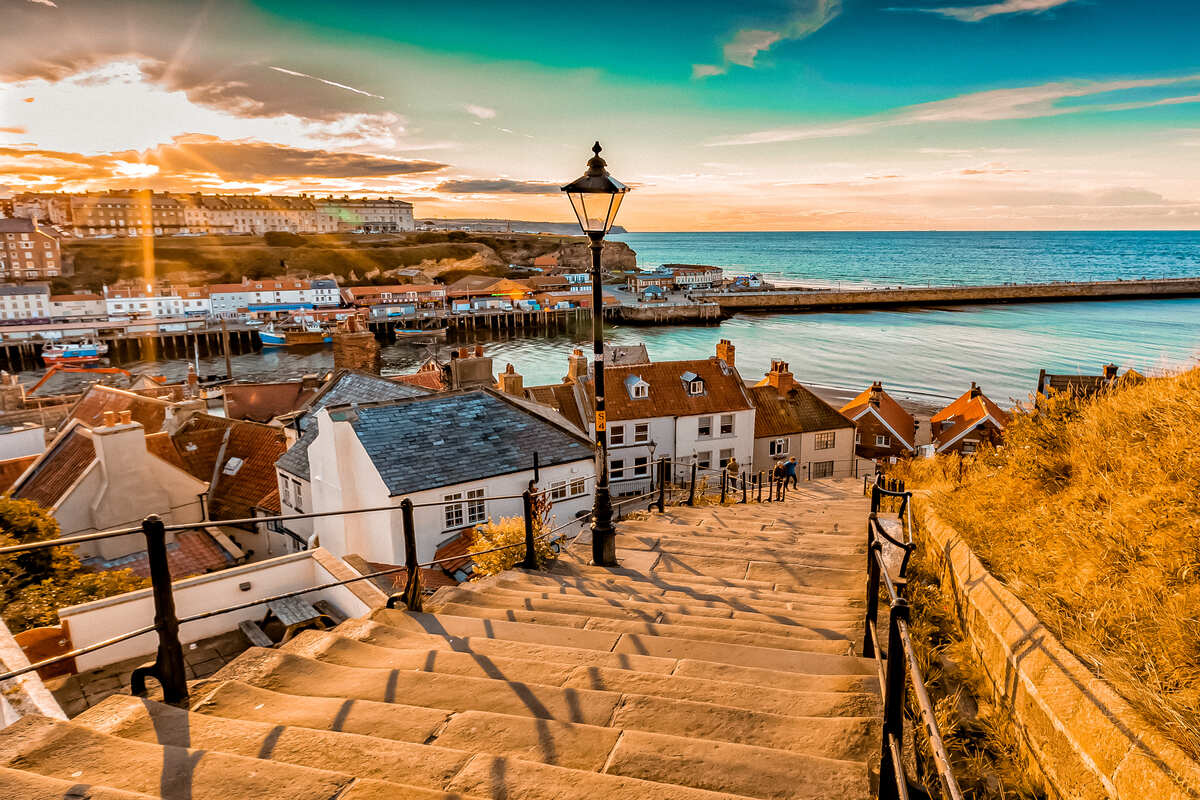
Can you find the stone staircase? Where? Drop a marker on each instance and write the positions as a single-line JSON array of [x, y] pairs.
[[716, 662]]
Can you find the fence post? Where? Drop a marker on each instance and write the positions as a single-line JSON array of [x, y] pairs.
[[724, 484], [872, 592], [412, 586], [692, 493], [876, 497], [745, 488], [662, 484], [168, 667], [893, 701], [530, 561], [760, 486]]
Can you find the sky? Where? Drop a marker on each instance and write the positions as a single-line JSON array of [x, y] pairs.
[[782, 115]]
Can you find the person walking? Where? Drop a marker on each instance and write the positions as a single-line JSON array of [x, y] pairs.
[[731, 473], [789, 472]]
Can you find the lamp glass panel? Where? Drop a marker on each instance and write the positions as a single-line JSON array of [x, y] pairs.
[[594, 210], [612, 210]]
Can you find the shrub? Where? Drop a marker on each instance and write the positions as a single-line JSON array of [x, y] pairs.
[[283, 239], [509, 533]]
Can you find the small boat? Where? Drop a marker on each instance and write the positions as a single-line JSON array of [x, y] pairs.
[[307, 333], [418, 333], [87, 351]]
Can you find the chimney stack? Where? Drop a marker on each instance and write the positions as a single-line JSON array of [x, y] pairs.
[[511, 382], [110, 419], [780, 377], [725, 352], [577, 366], [975, 390], [1110, 372], [876, 394], [193, 383], [126, 417]]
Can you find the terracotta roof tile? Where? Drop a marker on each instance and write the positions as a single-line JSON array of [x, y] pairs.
[[458, 549], [900, 421], [13, 468], [800, 411], [148, 411], [59, 468], [427, 378], [207, 444], [430, 578], [270, 501], [560, 397], [965, 413], [262, 402], [192, 553], [160, 444], [723, 392]]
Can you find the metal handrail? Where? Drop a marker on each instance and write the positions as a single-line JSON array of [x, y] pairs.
[[899, 668]]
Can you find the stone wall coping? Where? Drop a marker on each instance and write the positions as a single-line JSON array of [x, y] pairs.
[[1089, 741]]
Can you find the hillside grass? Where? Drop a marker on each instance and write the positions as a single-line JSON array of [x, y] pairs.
[[1090, 513]]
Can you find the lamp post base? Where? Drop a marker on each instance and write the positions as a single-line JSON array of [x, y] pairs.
[[604, 536]]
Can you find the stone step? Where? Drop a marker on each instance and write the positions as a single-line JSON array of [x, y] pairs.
[[71, 752], [625, 642], [814, 702], [784, 637], [842, 738], [839, 558], [688, 575], [17, 784], [765, 534]]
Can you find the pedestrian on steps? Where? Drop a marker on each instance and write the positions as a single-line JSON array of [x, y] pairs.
[[789, 472], [731, 474]]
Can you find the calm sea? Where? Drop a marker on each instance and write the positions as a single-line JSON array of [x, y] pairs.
[[929, 355]]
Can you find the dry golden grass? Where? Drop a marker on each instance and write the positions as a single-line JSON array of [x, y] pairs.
[[1090, 512]]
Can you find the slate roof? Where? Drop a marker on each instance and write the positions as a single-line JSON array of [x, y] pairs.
[[192, 553], [800, 411], [71, 454], [207, 443], [724, 390], [295, 460], [460, 437], [965, 413], [150, 412], [900, 421]]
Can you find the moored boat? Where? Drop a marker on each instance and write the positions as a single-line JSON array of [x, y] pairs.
[[418, 333], [307, 333], [87, 351]]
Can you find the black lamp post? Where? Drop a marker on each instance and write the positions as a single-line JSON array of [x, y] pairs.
[[595, 197]]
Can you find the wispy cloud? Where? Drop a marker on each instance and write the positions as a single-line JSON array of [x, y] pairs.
[[746, 44], [496, 186], [482, 112], [982, 12], [327, 82], [1026, 102], [49, 3]]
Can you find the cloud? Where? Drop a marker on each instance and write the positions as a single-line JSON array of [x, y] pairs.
[[496, 186], [482, 112], [49, 3], [1026, 102], [15, 129], [746, 44], [982, 12], [327, 82]]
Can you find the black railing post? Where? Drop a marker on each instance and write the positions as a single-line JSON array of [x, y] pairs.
[[692, 493], [662, 484], [724, 484], [745, 487], [893, 703], [530, 561], [760, 479], [168, 667], [872, 592], [412, 583], [876, 497]]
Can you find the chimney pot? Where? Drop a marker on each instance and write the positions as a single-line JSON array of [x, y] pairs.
[[110, 419], [1110, 371], [479, 351], [126, 417]]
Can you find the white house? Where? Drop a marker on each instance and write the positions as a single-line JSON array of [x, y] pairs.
[[78, 307], [454, 455], [271, 295], [792, 422], [28, 301], [149, 301]]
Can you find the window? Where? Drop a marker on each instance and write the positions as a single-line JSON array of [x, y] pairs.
[[704, 427], [641, 391], [824, 441], [558, 490], [454, 511], [616, 467], [726, 455], [696, 387], [616, 434], [727, 424], [641, 432], [883, 440], [857, 436], [578, 486], [298, 495], [778, 447], [283, 491], [822, 469], [641, 466], [704, 459]]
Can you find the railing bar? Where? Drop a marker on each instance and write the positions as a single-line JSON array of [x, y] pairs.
[[898, 771], [940, 756], [878, 657], [16, 673], [67, 541], [886, 578]]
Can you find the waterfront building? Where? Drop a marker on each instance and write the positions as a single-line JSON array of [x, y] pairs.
[[790, 421], [969, 421], [368, 214], [78, 307], [885, 430], [638, 281], [385, 301], [694, 276], [126, 213], [465, 449], [29, 250], [272, 296], [136, 301], [27, 302]]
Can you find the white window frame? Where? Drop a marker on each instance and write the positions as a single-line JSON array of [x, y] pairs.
[[701, 424], [297, 495], [558, 490], [825, 440], [284, 495], [724, 457], [727, 421], [641, 391], [704, 459], [578, 487], [453, 513], [641, 432], [616, 434], [696, 387], [883, 440], [641, 466], [779, 447]]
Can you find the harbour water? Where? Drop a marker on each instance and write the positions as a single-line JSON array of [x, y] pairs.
[[924, 355]]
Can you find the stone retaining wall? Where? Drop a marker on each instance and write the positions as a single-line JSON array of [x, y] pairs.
[[1087, 740]]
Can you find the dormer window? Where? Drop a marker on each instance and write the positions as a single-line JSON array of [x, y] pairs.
[[638, 389], [694, 383]]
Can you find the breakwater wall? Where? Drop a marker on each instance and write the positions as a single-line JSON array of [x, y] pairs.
[[812, 300], [651, 314]]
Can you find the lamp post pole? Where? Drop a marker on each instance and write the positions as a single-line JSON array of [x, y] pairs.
[[604, 537]]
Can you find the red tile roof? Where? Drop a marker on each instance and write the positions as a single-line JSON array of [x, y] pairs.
[[66, 298], [59, 468], [560, 397], [13, 468], [270, 501], [724, 390], [430, 578], [892, 413], [800, 411], [149, 411], [262, 402], [160, 444], [964, 414], [207, 444], [192, 553], [425, 378], [458, 550]]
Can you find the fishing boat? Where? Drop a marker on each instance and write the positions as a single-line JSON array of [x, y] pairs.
[[87, 351], [418, 333], [309, 332]]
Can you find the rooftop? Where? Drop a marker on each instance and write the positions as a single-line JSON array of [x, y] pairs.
[[901, 423], [263, 402], [669, 395], [798, 411], [150, 412], [237, 458], [970, 409]]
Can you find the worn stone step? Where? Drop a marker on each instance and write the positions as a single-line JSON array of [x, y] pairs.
[[815, 702], [417, 767], [839, 557], [72, 752], [765, 535], [829, 737], [852, 580], [806, 639], [748, 569], [16, 784], [624, 642]]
